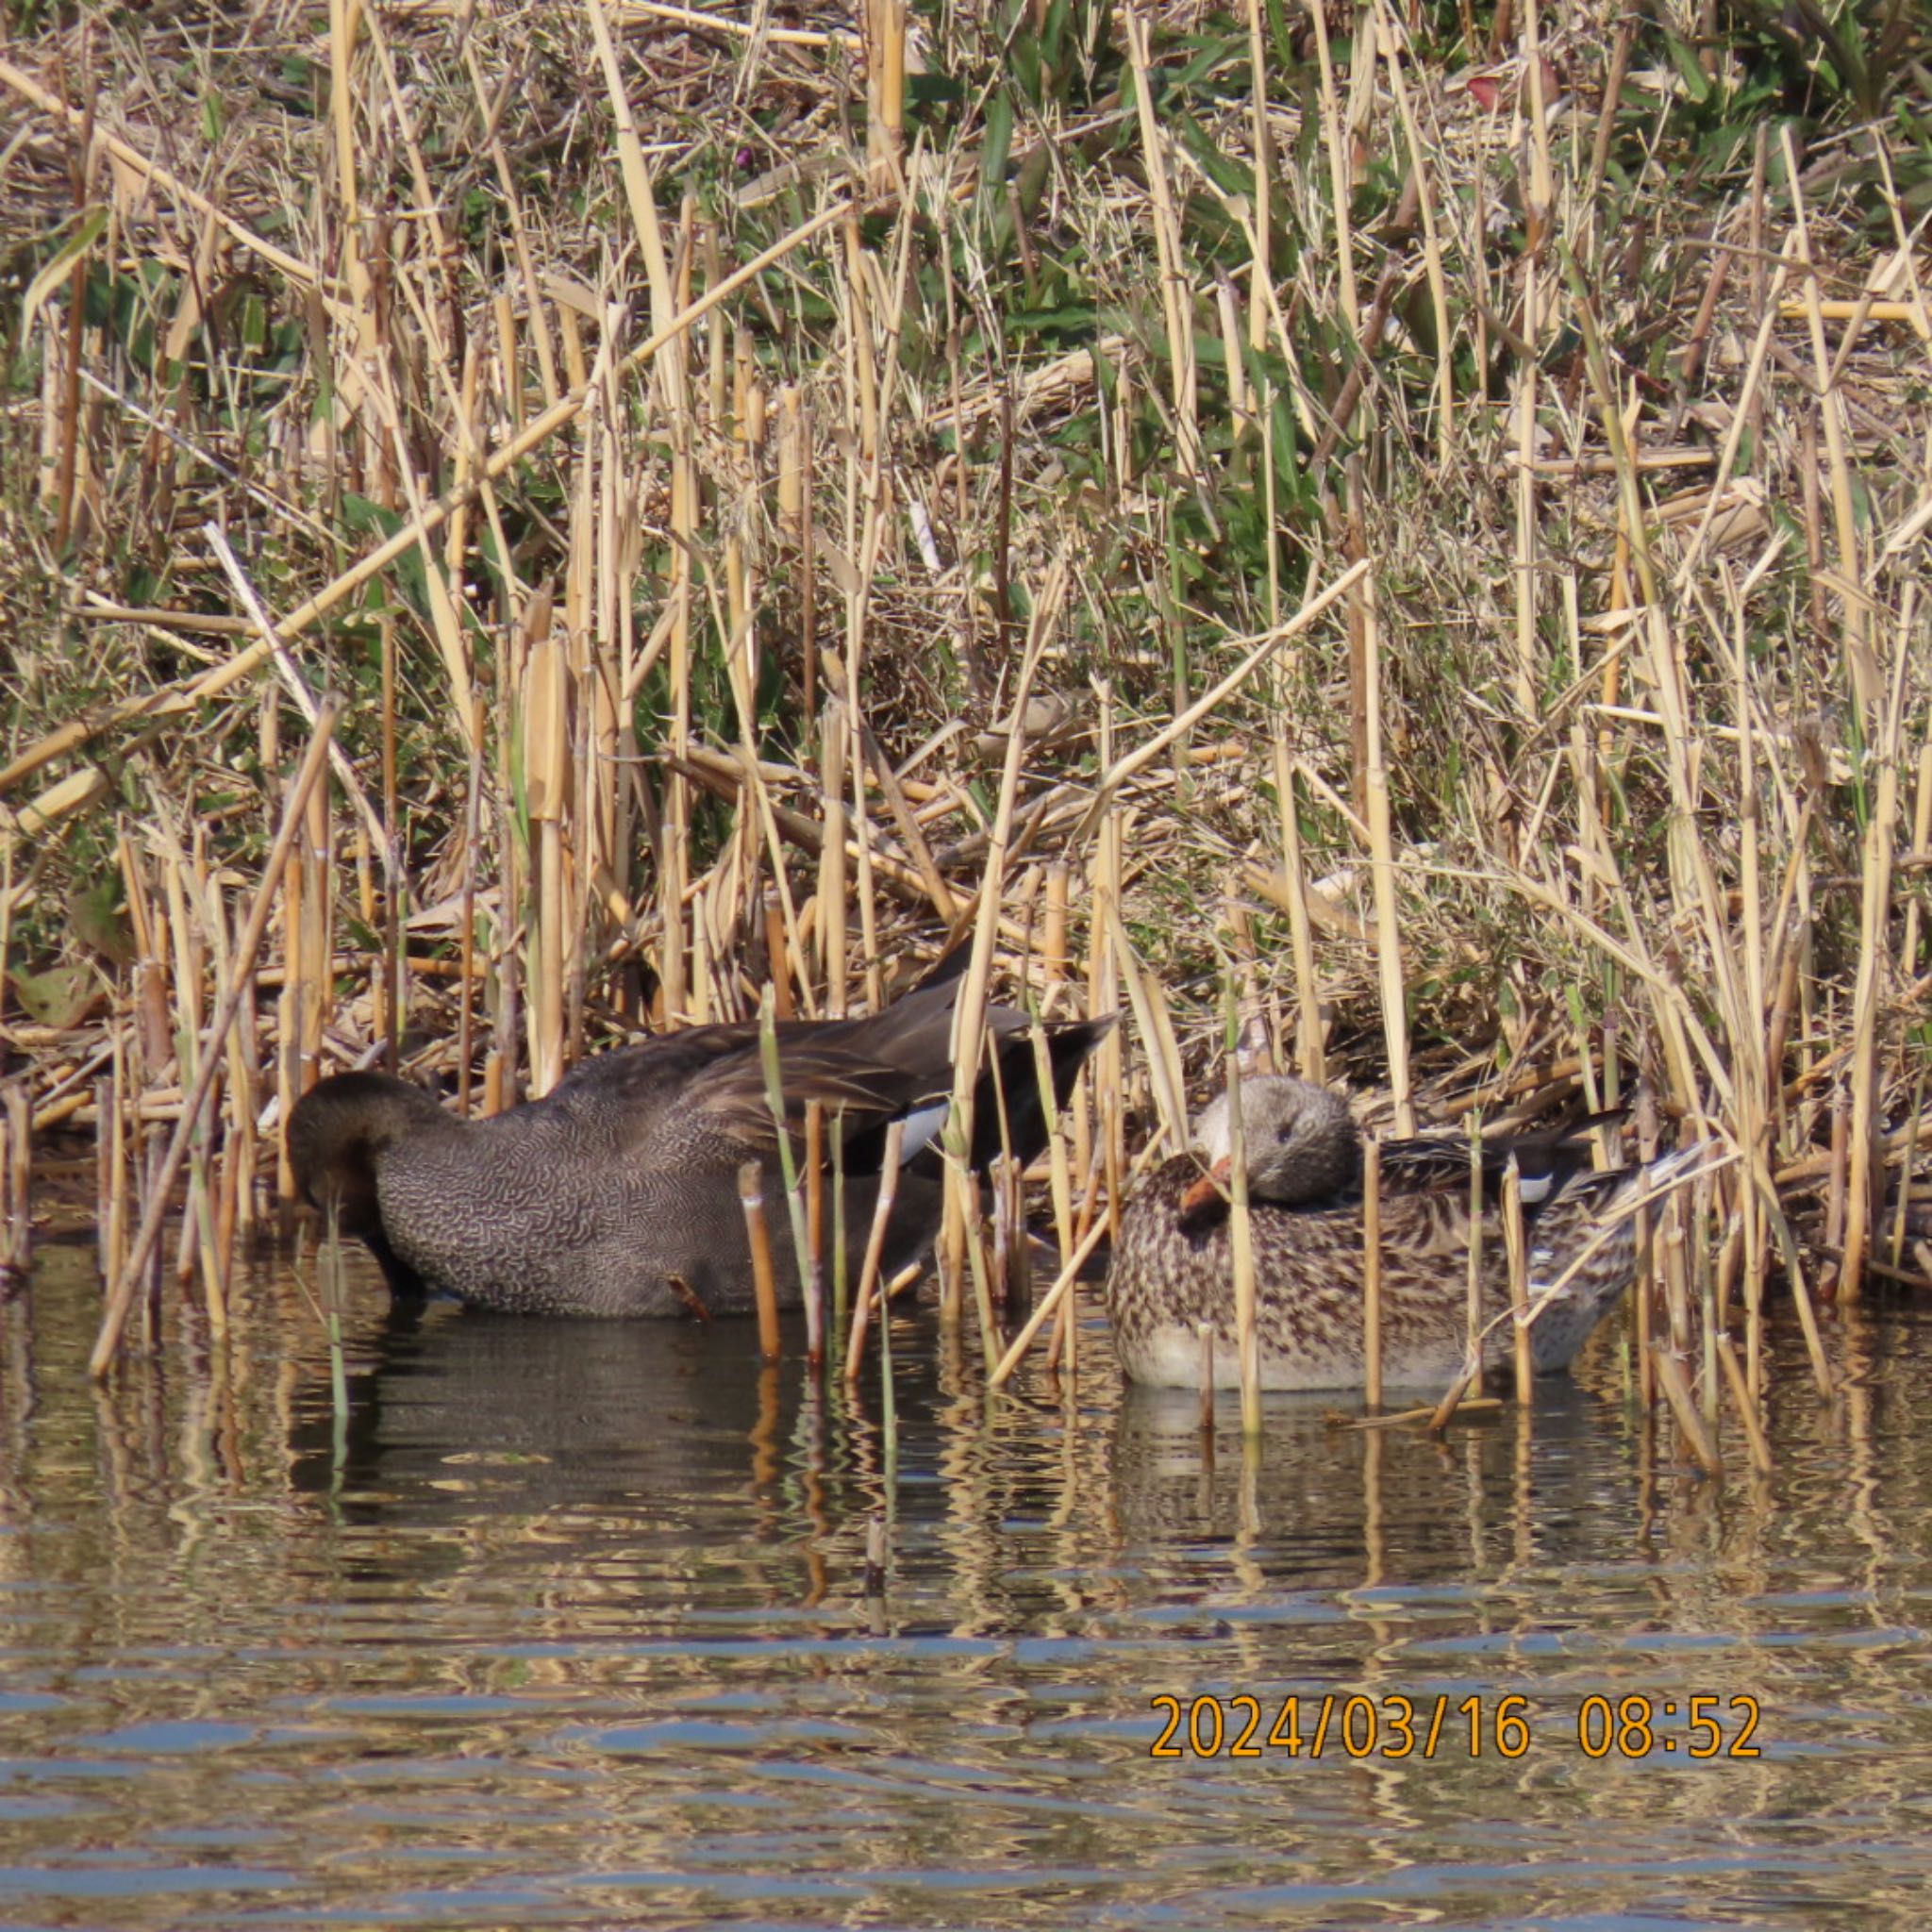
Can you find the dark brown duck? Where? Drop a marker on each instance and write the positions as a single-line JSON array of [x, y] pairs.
[[1173, 1268], [617, 1193]]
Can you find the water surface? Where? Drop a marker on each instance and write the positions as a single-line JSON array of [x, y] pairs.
[[564, 1624]]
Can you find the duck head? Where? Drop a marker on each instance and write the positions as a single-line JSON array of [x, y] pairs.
[[1301, 1143], [338, 1133]]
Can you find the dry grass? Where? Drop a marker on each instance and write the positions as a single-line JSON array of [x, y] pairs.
[[770, 490]]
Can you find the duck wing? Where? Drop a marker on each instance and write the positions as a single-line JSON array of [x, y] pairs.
[[1548, 1164], [698, 1100]]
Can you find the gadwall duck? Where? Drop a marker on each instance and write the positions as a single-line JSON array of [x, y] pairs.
[[617, 1192], [1172, 1266]]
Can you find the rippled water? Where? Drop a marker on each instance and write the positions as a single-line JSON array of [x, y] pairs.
[[565, 1626]]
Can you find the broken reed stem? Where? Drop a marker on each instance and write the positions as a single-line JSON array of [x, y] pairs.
[[1697, 1438], [1452, 1398], [875, 1250], [751, 1195], [1204, 1332], [16, 1155], [1745, 1404], [314, 762]]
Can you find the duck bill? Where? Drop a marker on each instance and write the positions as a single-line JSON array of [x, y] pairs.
[[1209, 1194]]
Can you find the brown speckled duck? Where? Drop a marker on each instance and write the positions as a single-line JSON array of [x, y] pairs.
[[1172, 1267], [617, 1193]]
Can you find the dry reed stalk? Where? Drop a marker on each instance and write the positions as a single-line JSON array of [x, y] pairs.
[[1516, 1248], [16, 1177], [815, 1182], [867, 894], [1241, 1229], [114, 1248], [1060, 1178], [473, 838], [831, 888], [1840, 1171], [1012, 1258], [1177, 296], [904, 820], [842, 1286], [1311, 1053], [1260, 281], [1874, 960], [1472, 1279], [794, 527], [1921, 853], [1675, 1271], [969, 1013], [674, 850], [1047, 1306], [1389, 38], [1059, 1171], [547, 778], [884, 23], [809, 1280], [1052, 943], [1859, 659], [1906, 1164], [1527, 522], [120, 1300], [1746, 1404], [1103, 986], [1372, 1271], [778, 973], [973, 1244], [1690, 1425], [1440, 1416], [874, 1250], [1382, 862], [751, 1195], [315, 946]]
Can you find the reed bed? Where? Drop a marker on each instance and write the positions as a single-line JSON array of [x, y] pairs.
[[524, 525]]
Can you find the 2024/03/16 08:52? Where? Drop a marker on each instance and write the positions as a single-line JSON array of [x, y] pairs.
[[1394, 1726]]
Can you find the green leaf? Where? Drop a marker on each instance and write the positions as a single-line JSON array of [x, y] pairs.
[[999, 142], [59, 998], [92, 220]]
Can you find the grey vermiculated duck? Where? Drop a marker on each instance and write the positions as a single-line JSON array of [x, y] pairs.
[[617, 1193], [1172, 1266]]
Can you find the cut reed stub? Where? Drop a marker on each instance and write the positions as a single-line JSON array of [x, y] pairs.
[[16, 1155], [751, 1194]]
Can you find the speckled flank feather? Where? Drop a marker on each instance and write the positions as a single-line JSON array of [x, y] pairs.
[[1172, 1266], [617, 1195]]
